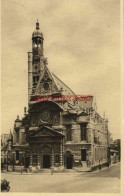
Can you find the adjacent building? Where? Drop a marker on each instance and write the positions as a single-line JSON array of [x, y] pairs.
[[6, 147]]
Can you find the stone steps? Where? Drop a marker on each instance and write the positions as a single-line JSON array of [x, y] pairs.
[[42, 171]]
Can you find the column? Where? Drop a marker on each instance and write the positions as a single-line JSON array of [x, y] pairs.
[[52, 157], [29, 74], [30, 159], [38, 161], [61, 118]]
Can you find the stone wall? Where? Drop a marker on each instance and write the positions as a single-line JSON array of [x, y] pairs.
[[75, 149]]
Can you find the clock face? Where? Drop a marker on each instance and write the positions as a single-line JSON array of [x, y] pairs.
[[45, 116]]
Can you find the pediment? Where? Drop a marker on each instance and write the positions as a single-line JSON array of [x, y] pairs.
[[46, 132]]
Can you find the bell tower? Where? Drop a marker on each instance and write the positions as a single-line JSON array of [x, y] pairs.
[[37, 55], [36, 61], [37, 42]]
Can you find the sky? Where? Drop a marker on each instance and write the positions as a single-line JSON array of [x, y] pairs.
[[81, 42]]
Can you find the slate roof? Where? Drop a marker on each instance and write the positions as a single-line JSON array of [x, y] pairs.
[[65, 90]]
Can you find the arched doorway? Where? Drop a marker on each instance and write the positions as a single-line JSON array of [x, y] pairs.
[[27, 162], [46, 157], [69, 160], [46, 161]]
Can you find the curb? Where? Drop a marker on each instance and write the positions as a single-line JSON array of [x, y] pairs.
[[13, 173], [104, 169], [63, 173]]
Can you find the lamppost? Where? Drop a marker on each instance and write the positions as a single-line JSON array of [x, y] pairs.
[[7, 161], [108, 148], [13, 161]]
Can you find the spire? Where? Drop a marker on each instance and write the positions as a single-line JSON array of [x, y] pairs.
[[25, 109], [10, 135], [37, 25]]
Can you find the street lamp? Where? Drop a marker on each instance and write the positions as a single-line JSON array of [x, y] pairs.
[[7, 161], [13, 161]]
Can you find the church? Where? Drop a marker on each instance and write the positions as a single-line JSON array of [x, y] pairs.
[[57, 133]]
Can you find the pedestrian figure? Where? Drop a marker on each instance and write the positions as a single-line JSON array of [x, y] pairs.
[[100, 165], [51, 170], [21, 168], [108, 164]]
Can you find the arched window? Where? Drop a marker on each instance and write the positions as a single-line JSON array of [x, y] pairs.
[[69, 133], [17, 136], [17, 155], [37, 78], [33, 78]]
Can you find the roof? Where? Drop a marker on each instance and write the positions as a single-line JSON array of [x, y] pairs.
[[86, 103], [62, 86], [37, 32], [59, 86]]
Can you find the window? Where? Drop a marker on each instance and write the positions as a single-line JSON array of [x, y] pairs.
[[83, 131], [34, 79], [4, 160], [83, 154], [17, 136], [69, 133], [37, 78], [17, 155]]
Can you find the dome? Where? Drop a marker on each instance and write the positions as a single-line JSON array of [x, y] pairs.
[[18, 120], [37, 32]]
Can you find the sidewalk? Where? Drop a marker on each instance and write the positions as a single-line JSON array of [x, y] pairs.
[[104, 168], [65, 172]]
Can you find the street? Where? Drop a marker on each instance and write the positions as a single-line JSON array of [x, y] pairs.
[[106, 181]]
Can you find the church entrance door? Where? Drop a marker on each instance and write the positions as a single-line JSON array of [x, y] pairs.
[[69, 162], [46, 161], [27, 162], [83, 154]]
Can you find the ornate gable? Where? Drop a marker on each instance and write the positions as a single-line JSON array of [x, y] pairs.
[[46, 84], [46, 77]]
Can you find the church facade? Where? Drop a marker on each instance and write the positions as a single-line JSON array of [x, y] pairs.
[[56, 131]]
